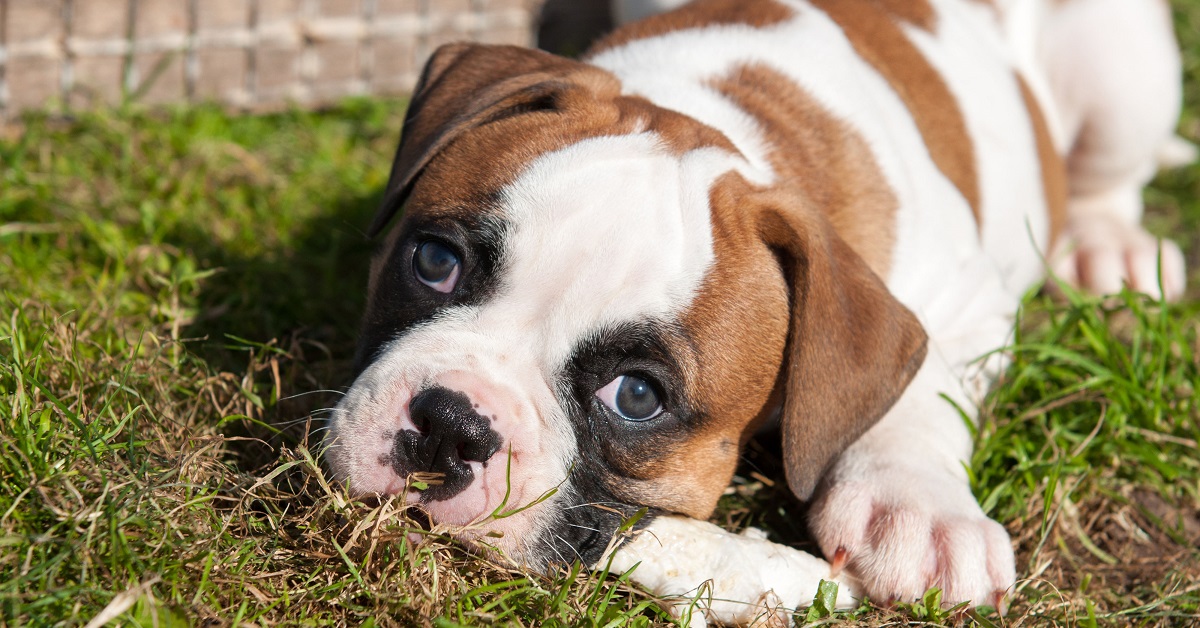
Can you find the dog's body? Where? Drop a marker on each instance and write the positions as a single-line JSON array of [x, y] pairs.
[[609, 274]]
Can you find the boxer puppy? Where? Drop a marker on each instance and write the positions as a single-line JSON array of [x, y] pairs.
[[606, 274]]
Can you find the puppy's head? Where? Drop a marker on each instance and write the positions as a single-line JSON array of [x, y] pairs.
[[585, 308]]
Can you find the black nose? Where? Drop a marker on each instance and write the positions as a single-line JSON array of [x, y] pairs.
[[450, 434]]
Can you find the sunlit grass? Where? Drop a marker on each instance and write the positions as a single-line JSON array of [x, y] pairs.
[[180, 293]]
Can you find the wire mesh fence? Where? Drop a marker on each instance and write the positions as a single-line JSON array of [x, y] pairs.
[[248, 54]]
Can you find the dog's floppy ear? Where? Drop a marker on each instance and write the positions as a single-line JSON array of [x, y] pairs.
[[852, 347], [464, 86]]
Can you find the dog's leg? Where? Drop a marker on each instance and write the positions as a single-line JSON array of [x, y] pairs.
[[722, 576], [896, 507], [1113, 69]]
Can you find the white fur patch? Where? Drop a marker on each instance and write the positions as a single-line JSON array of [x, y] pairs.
[[974, 61], [725, 577], [609, 230]]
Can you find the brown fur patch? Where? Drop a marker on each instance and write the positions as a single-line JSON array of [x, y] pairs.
[[872, 28], [457, 177], [852, 347], [685, 476], [698, 14], [919, 13], [823, 158], [474, 100], [752, 329], [738, 326], [1053, 166]]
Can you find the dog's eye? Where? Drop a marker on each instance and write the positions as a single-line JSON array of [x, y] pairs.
[[632, 397], [436, 265]]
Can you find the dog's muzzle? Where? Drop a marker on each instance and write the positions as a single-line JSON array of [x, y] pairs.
[[450, 435]]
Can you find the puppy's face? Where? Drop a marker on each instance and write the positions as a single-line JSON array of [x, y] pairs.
[[545, 335], [576, 317]]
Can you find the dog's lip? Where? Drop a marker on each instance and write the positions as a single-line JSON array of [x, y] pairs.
[[476, 504], [454, 506]]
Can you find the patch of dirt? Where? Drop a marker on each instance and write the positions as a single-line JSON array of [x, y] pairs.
[[1127, 543]]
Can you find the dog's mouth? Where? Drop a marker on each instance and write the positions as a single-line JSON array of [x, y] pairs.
[[573, 521], [488, 452]]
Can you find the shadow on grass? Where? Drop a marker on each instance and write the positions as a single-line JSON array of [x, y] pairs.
[[285, 321], [760, 497]]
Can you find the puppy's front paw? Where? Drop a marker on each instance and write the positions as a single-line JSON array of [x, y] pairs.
[[901, 531], [1100, 253]]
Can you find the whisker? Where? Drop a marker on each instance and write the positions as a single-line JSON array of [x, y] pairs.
[[573, 525], [572, 548], [312, 392], [594, 504], [554, 549], [291, 422], [314, 432]]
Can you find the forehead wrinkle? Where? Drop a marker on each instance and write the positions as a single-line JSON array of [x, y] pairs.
[[608, 230]]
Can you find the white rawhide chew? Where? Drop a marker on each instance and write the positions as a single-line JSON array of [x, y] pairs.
[[725, 577]]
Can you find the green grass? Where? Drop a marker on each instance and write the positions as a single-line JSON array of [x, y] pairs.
[[176, 284]]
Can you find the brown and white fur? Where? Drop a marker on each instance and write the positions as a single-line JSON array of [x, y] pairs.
[[826, 211]]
